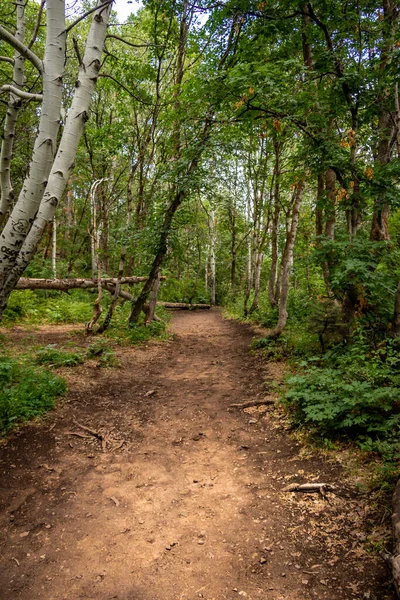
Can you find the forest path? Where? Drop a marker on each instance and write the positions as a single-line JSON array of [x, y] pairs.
[[191, 505]]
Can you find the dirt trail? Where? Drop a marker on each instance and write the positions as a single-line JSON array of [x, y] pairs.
[[191, 504]]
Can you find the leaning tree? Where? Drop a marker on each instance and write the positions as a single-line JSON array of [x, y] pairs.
[[24, 222]]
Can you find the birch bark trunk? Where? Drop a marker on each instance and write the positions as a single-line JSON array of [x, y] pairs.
[[45, 195], [287, 261], [20, 221], [212, 257], [14, 104]]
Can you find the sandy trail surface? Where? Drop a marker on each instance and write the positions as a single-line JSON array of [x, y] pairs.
[[178, 496]]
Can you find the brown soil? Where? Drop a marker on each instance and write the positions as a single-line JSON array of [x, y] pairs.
[[185, 500]]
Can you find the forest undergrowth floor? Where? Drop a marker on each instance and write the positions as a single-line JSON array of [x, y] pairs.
[[172, 495]]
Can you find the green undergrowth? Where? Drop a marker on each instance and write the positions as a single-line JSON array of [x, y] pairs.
[[25, 391], [345, 390], [28, 386], [350, 392], [31, 308]]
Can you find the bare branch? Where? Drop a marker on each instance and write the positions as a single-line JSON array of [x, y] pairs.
[[37, 25], [120, 39], [7, 59], [20, 93], [21, 48], [86, 14]]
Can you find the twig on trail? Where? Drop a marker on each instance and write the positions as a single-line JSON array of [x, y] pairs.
[[104, 439], [81, 435], [99, 436], [253, 403], [309, 487], [119, 445]]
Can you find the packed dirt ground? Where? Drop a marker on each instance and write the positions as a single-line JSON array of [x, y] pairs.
[[145, 484]]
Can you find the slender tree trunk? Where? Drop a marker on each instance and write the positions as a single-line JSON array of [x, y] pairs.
[[14, 104], [379, 227], [54, 249], [257, 282], [64, 160], [387, 121], [287, 261], [249, 272], [69, 211], [151, 311], [212, 256], [20, 221], [275, 225]]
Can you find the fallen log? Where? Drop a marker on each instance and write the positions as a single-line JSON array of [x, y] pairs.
[[183, 305], [64, 285], [395, 558], [253, 403], [309, 487]]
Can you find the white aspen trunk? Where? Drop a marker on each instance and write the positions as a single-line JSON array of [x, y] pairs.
[[153, 300], [23, 214], [54, 249], [64, 161], [257, 281], [287, 261], [212, 257], [93, 225], [206, 270], [69, 210], [14, 103], [249, 263]]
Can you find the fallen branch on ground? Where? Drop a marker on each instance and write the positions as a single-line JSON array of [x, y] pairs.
[[395, 558], [183, 305], [96, 434], [64, 285], [309, 487], [253, 403]]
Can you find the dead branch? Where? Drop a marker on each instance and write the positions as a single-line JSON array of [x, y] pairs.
[[99, 436], [183, 305], [253, 403], [64, 285], [309, 487]]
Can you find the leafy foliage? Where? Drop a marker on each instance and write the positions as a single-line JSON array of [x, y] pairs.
[[25, 392], [352, 391], [54, 357]]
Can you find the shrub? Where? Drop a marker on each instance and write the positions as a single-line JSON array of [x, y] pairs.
[[25, 391], [49, 355]]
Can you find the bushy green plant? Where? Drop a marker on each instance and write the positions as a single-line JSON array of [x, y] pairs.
[[48, 306], [101, 351], [54, 357], [25, 392], [352, 390], [324, 397]]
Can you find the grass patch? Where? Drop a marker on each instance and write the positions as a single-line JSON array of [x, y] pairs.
[[53, 357], [25, 391]]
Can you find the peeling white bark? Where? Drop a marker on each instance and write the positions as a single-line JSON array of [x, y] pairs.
[[14, 103], [19, 223], [21, 48], [64, 160], [212, 256], [20, 93]]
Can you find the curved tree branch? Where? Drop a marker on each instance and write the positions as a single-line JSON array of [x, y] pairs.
[[22, 49], [86, 14], [20, 93]]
